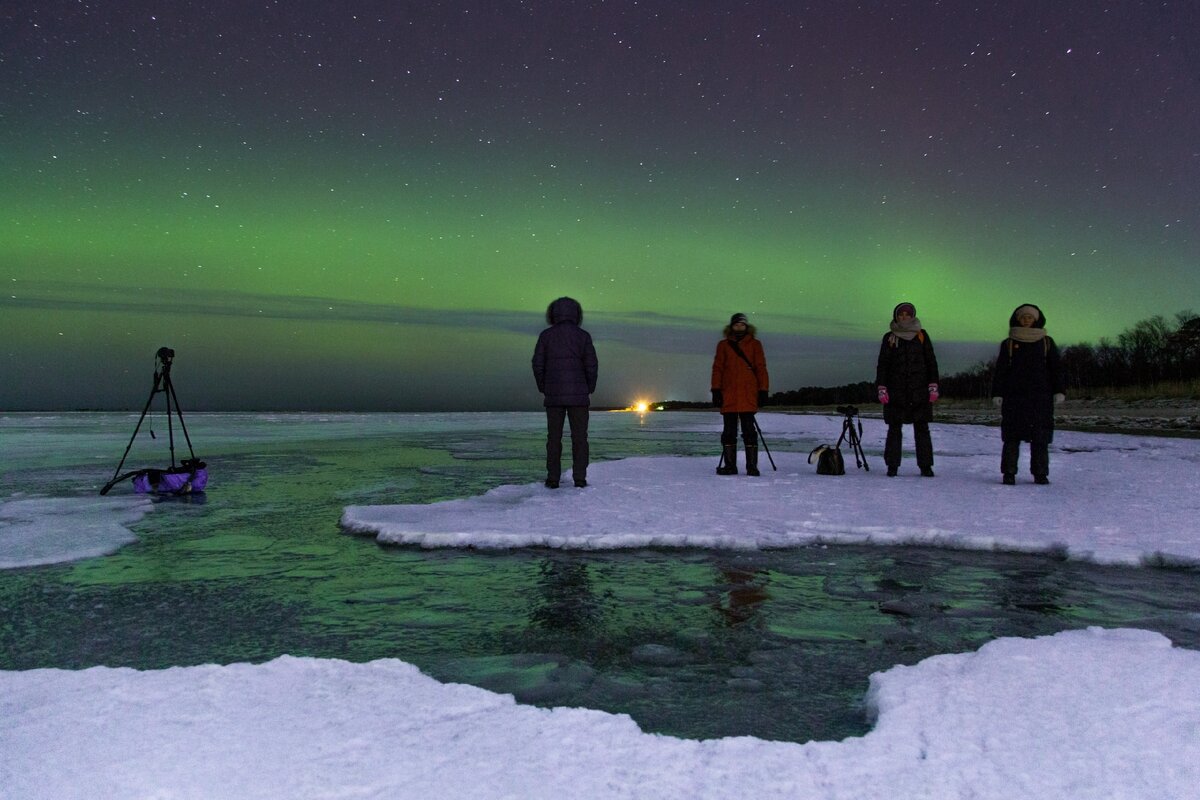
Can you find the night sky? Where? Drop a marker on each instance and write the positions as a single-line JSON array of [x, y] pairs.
[[326, 205]]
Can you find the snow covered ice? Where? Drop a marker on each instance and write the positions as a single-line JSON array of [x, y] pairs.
[[47, 530], [1087, 713], [1114, 499]]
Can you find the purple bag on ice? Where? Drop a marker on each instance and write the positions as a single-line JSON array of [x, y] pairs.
[[190, 476]]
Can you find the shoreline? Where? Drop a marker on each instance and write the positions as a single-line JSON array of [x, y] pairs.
[[1170, 417]]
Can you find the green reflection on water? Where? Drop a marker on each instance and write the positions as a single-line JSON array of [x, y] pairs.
[[775, 644]]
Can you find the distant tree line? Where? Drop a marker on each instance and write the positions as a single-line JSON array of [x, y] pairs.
[[1152, 351], [848, 394]]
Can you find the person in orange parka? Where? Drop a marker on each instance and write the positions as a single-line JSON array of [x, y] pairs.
[[739, 388]]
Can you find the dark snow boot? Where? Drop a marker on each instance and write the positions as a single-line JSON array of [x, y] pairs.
[[728, 465], [752, 459]]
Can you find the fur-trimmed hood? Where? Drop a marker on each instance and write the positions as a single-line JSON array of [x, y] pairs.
[[1041, 318], [564, 309], [750, 331]]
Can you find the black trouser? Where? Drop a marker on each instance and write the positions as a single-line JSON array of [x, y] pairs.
[[1039, 458], [578, 417], [749, 431], [895, 437]]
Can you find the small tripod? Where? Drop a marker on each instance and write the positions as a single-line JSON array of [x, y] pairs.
[[162, 383], [853, 436]]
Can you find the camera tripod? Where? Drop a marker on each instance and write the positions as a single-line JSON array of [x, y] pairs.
[[853, 437], [162, 383]]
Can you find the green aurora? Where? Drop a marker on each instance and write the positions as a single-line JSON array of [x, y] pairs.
[[403, 261]]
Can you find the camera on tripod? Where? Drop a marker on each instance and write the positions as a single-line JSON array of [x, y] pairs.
[[191, 475], [852, 435]]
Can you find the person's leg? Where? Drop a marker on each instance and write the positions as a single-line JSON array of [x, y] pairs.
[[750, 442], [1039, 461], [555, 415], [1010, 452], [578, 417], [924, 446], [728, 445], [891, 447]]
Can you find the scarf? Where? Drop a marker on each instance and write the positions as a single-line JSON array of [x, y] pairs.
[[907, 331], [1026, 335]]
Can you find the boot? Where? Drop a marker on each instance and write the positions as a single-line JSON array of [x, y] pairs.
[[752, 459], [1010, 454], [1039, 462], [891, 449], [729, 460]]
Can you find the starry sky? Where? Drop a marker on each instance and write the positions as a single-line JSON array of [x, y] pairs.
[[369, 205]]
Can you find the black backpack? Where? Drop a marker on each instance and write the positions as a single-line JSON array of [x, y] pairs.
[[829, 460]]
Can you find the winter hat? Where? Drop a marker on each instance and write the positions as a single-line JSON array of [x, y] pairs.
[[1039, 319], [909, 307], [1027, 309], [736, 318]]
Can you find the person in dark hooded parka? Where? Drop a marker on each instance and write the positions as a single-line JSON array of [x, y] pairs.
[[565, 368], [1026, 384], [906, 380]]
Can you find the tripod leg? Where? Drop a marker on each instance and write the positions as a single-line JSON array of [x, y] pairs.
[[758, 430], [860, 458], [858, 442], [179, 413], [170, 425], [138, 427]]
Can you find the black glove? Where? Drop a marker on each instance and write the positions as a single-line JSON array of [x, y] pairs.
[[716, 397], [762, 397]]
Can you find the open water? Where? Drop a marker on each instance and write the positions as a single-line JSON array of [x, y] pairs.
[[776, 644]]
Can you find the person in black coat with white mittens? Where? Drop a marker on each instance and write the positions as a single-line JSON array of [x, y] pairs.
[[906, 379], [1026, 384]]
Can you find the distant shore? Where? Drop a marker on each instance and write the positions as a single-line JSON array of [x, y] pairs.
[[1151, 417], [1154, 417]]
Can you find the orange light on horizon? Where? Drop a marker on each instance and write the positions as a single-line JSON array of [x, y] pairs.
[[641, 406]]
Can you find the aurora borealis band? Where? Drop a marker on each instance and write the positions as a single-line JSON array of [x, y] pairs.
[[369, 205]]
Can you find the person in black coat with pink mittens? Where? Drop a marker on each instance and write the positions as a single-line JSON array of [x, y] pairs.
[[906, 379], [1026, 384]]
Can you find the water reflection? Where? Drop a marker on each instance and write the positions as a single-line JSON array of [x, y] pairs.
[[565, 601], [743, 591]]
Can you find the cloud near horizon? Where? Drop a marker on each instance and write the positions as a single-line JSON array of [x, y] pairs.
[[321, 353]]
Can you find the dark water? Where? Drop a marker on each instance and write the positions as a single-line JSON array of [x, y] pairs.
[[775, 644]]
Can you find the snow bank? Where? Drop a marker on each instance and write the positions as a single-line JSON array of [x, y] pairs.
[[1082, 714]]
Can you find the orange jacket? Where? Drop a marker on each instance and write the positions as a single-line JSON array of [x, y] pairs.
[[739, 384]]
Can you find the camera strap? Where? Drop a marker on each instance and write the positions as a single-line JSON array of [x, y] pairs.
[[742, 355]]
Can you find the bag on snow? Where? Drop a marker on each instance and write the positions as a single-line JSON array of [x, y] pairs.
[[829, 460]]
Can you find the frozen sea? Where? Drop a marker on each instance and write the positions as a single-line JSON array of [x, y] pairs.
[[393, 606]]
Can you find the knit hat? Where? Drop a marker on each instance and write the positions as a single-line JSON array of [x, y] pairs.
[[909, 307], [1032, 311], [1039, 319], [736, 318]]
